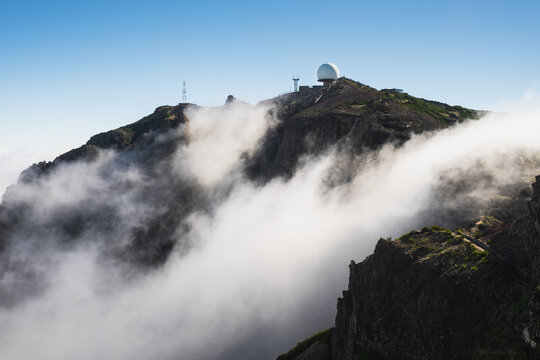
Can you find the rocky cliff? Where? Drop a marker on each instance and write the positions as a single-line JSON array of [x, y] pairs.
[[139, 134], [146, 145], [441, 294], [432, 294], [348, 114], [519, 241]]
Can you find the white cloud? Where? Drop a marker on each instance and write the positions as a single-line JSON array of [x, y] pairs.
[[219, 137], [13, 162], [268, 261]]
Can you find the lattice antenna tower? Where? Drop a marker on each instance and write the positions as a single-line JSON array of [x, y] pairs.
[[184, 92], [295, 79]]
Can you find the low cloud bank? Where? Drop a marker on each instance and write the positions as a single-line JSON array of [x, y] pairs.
[[13, 162], [255, 269]]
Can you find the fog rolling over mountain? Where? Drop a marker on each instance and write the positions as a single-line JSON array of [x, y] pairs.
[[170, 251]]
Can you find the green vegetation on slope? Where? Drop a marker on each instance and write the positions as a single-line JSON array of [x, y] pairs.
[[436, 110], [164, 117], [442, 246], [324, 337], [354, 98]]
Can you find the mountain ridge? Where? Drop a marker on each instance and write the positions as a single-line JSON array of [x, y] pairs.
[[348, 116], [345, 111]]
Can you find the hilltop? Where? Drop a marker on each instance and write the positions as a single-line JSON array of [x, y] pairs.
[[347, 113], [351, 115], [433, 293]]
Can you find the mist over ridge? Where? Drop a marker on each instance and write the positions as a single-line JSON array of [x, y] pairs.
[[175, 249]]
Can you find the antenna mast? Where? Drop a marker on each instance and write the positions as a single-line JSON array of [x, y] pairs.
[[184, 92]]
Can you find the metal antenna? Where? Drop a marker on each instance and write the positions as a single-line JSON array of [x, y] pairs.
[[295, 79], [184, 92]]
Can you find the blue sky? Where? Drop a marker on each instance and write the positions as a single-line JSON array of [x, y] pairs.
[[70, 69]]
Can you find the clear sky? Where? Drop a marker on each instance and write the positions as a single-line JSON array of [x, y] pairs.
[[70, 69]]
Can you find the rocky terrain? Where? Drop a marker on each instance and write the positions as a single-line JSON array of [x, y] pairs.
[[347, 114], [440, 294], [433, 293]]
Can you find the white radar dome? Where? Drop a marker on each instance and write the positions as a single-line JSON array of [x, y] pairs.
[[327, 71]]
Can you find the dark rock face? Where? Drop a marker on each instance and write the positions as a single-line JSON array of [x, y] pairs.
[[146, 145], [520, 242], [348, 114], [130, 137], [532, 243], [431, 295], [344, 334]]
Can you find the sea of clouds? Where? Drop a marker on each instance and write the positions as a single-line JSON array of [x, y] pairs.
[[259, 266]]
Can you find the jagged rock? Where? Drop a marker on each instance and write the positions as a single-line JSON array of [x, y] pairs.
[[532, 243], [520, 242], [147, 144], [432, 294], [349, 114]]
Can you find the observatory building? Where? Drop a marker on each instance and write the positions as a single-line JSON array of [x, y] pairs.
[[327, 73]]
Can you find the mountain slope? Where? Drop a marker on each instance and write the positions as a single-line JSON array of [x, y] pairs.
[[436, 294], [348, 114], [140, 133], [123, 198]]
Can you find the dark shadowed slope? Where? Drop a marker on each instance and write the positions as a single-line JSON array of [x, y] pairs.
[[350, 114]]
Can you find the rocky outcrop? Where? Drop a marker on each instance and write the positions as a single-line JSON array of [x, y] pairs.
[[520, 241], [137, 134], [350, 115], [163, 118], [432, 295], [532, 243], [437, 294], [347, 114], [147, 145]]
